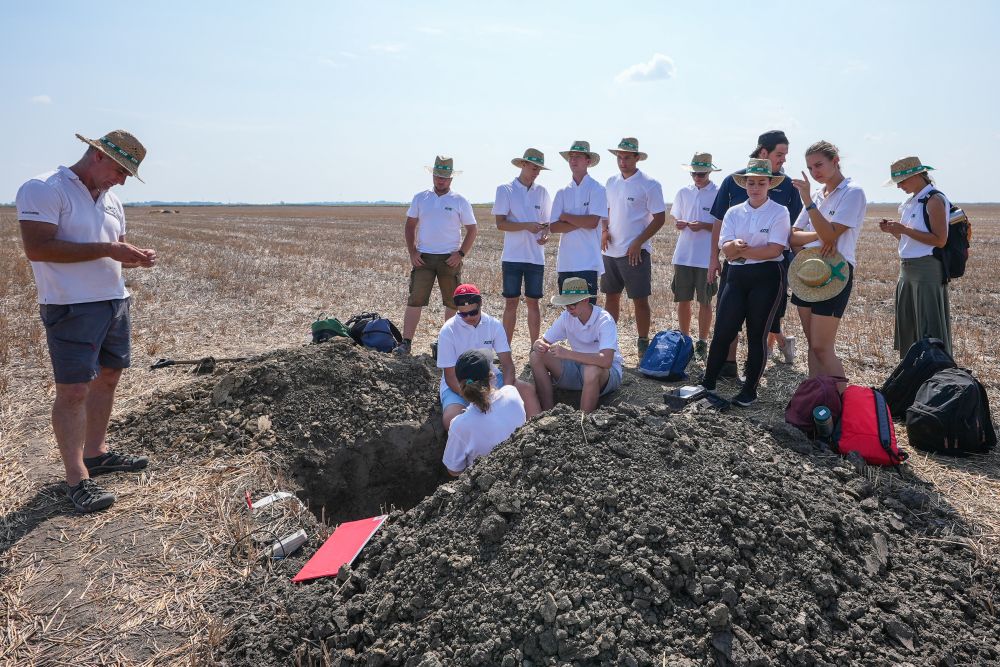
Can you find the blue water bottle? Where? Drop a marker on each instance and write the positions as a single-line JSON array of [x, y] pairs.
[[823, 421]]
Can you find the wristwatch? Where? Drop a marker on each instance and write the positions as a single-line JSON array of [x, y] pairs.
[[811, 206], [460, 253]]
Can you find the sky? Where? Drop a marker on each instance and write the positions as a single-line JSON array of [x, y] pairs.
[[263, 102]]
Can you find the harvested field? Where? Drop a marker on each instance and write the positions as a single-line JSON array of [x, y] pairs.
[[153, 581]]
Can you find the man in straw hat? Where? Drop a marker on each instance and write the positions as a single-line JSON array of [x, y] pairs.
[[73, 229], [434, 224], [592, 364], [576, 216], [522, 210], [635, 213], [692, 214]]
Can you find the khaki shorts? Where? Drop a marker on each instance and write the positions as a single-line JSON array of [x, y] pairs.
[[422, 281], [691, 281]]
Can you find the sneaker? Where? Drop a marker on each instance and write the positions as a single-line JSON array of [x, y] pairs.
[[88, 497], [789, 350], [642, 344], [403, 349], [701, 349], [745, 398], [114, 462], [731, 370]]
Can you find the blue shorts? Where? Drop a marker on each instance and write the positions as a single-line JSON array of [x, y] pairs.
[[85, 337], [532, 275], [449, 397]]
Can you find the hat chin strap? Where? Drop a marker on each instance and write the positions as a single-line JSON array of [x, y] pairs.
[[836, 273]]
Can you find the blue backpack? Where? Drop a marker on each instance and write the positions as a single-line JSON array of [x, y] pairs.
[[667, 356], [381, 335]]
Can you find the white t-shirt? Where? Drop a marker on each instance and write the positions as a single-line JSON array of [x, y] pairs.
[[580, 249], [457, 336], [599, 333], [631, 206], [475, 433], [520, 204], [911, 214], [60, 198], [440, 221], [757, 226], [692, 204], [846, 206]]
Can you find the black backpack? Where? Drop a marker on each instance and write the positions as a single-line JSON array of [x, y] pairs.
[[924, 358], [955, 253], [357, 323], [951, 415]]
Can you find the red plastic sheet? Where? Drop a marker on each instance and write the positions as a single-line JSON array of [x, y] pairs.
[[341, 548]]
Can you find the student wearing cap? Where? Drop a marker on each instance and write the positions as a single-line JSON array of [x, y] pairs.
[[822, 276], [434, 224], [692, 214], [73, 230], [771, 146], [922, 307], [473, 329], [494, 413], [592, 364], [576, 216], [522, 209], [753, 238], [635, 213]]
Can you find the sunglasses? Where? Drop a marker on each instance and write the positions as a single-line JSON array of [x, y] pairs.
[[471, 313]]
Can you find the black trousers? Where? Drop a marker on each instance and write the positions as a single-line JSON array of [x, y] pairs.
[[753, 294]]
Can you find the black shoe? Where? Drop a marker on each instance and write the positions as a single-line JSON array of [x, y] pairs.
[[114, 462], [745, 398], [731, 370], [403, 349], [88, 497]]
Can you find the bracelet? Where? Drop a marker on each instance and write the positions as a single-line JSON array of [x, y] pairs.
[[811, 206], [460, 253]]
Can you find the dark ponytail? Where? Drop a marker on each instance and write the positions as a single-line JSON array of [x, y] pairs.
[[478, 393]]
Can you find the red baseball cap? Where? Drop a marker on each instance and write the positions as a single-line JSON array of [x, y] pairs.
[[466, 288]]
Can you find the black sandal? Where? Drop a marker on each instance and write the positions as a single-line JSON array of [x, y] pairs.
[[114, 462], [88, 497]]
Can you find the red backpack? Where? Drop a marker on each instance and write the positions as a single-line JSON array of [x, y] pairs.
[[813, 392], [866, 428]]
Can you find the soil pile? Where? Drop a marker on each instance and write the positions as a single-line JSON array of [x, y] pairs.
[[637, 537]]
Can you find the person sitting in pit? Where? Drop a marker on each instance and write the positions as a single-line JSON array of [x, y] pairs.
[[593, 362], [493, 413], [473, 329]]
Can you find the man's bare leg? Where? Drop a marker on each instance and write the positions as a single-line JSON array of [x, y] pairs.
[[613, 304], [684, 317], [69, 423], [534, 318], [100, 399], [510, 316], [643, 316], [411, 318]]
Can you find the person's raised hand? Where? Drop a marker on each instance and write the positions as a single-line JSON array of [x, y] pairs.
[[804, 187]]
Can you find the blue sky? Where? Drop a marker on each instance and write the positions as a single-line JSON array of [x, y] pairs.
[[261, 102]]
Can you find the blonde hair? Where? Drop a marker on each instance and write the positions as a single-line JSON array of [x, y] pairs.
[[824, 148]]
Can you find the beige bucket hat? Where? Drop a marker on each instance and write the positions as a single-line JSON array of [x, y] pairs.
[[903, 168], [758, 167], [814, 278], [574, 290], [582, 147], [444, 167], [628, 145], [122, 147], [700, 163], [531, 156]]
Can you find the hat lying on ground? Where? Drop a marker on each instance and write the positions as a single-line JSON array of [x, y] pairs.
[[582, 147], [629, 145], [903, 168], [444, 167], [574, 290], [122, 147], [701, 163], [531, 156], [472, 366], [758, 167], [813, 277]]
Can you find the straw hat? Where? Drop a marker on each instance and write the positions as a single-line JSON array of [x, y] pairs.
[[582, 147], [700, 163], [121, 147], [628, 145], [905, 167], [758, 167], [574, 290], [532, 156], [813, 277], [444, 167]]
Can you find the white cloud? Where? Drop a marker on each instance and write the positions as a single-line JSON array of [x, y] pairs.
[[660, 67], [388, 47], [41, 99]]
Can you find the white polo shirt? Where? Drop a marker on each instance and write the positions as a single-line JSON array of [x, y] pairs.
[[846, 206], [458, 336], [757, 226], [632, 203], [520, 204], [911, 214], [598, 333], [440, 221], [475, 433], [60, 198], [692, 204], [580, 249]]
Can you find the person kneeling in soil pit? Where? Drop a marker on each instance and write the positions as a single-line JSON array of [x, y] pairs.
[[493, 413]]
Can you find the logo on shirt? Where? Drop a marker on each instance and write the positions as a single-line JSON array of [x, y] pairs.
[[538, 207], [630, 198], [448, 208], [586, 203], [488, 342], [705, 208], [30, 213], [765, 230]]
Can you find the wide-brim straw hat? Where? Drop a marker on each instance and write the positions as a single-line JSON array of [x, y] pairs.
[[700, 164], [122, 147], [582, 147], [628, 145], [444, 167], [814, 278], [758, 167], [531, 156], [574, 290], [903, 168]]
